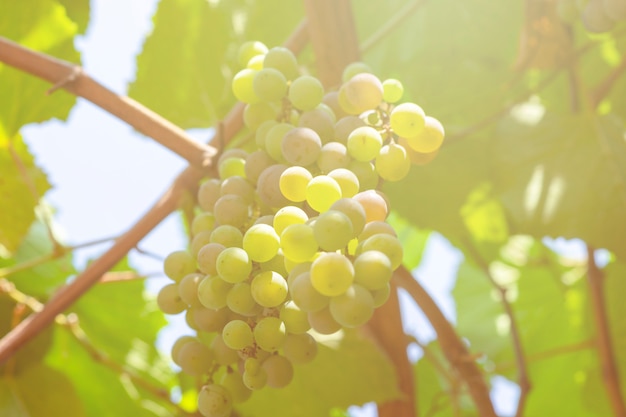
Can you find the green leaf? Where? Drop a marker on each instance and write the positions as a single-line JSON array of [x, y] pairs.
[[346, 371], [413, 240], [614, 289], [78, 11]]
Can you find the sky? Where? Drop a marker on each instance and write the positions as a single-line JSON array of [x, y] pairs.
[[105, 176]]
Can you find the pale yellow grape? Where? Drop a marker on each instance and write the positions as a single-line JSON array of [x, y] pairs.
[[223, 354], [297, 269], [210, 320], [261, 242], [417, 158], [255, 381], [407, 119], [333, 230], [325, 108], [283, 60], [430, 138], [293, 182], [364, 91], [274, 140], [298, 242], [178, 344], [276, 264], [306, 297], [321, 192], [279, 371], [269, 84], [331, 99], [372, 269], [392, 163], [214, 401], [323, 322], [252, 365], [333, 155], [198, 241], [347, 180], [269, 289], [227, 235], [242, 86], [208, 193], [233, 265], [296, 321], [375, 205], [270, 333], [345, 104], [301, 146], [231, 209], [189, 319], [231, 167], [320, 120], [212, 292], [288, 215], [237, 335], [233, 382], [595, 18], [353, 308], [364, 143], [238, 186], [260, 135], [381, 295], [188, 289], [332, 274], [255, 114], [300, 348], [355, 212], [195, 358], [248, 50], [202, 222], [169, 301], [178, 264], [306, 92], [376, 227], [387, 244], [239, 299], [345, 126], [268, 186], [256, 163], [232, 153], [256, 62], [392, 90], [267, 219], [366, 173], [353, 69]]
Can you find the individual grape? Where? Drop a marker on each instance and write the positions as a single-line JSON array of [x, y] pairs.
[[268, 186], [347, 180], [208, 193], [323, 322], [260, 136], [321, 192], [331, 274], [387, 244], [364, 143], [269, 289], [392, 90], [267, 219], [331, 99], [242, 86], [296, 321], [345, 126], [364, 91], [366, 173], [248, 50], [355, 212], [320, 120], [189, 319], [279, 371], [333, 155], [233, 382], [407, 120], [198, 241], [240, 300], [169, 301], [256, 62], [255, 381], [227, 236], [231, 167], [372, 270], [376, 227], [195, 358], [178, 264], [297, 269], [255, 114], [595, 18], [274, 141], [353, 69], [287, 216], [233, 265], [392, 163], [214, 401], [178, 344], [332, 230], [381, 295], [188, 289], [270, 333], [212, 292], [306, 92], [231, 209], [417, 158], [375, 205], [276, 264], [615, 9], [301, 146], [270, 84], [283, 60], [252, 365], [430, 138], [261, 242], [298, 242], [232, 153], [293, 182], [238, 186], [210, 320], [203, 222], [354, 307], [237, 334], [306, 297], [345, 104], [223, 354], [257, 162], [300, 348]]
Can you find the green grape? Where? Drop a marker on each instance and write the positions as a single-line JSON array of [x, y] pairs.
[[208, 193], [188, 289], [372, 270], [287, 216], [237, 335], [276, 264], [333, 155], [189, 319], [256, 62], [231, 209], [306, 92], [331, 274], [295, 270], [274, 140], [387, 244], [296, 321], [381, 295], [255, 381], [178, 264], [270, 333], [366, 173], [169, 301], [320, 120], [227, 236], [392, 90], [300, 348], [306, 297], [232, 153], [249, 50], [212, 292], [333, 230], [283, 60], [417, 158], [345, 126], [321, 192], [323, 322], [430, 138], [393, 163], [231, 167], [203, 222], [260, 136], [267, 219], [223, 354], [355, 212], [214, 401], [279, 371], [364, 91], [353, 69], [195, 358], [595, 18], [325, 108], [269, 289], [375, 205], [268, 186], [233, 382], [242, 86], [375, 227], [238, 186], [240, 300], [252, 365], [255, 114], [347, 180], [270, 84], [345, 104], [257, 162], [210, 320], [198, 241], [261, 242], [364, 143], [354, 307], [298, 242], [178, 344], [293, 182], [407, 120], [301, 146], [331, 99], [233, 265]]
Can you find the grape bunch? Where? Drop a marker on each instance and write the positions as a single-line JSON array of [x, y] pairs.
[[598, 16], [291, 240]]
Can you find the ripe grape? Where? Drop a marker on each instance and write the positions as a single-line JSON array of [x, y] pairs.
[[355, 212], [257, 162], [242, 86], [374, 204], [333, 155], [212, 292], [375, 227], [392, 90], [223, 354], [238, 186], [306, 92], [595, 17], [321, 192], [333, 230], [231, 209], [178, 264], [269, 84], [283, 60], [203, 222], [268, 186], [233, 265], [298, 242], [178, 344], [364, 143], [407, 120], [364, 91], [347, 180], [231, 167], [270, 333], [366, 173], [248, 50], [300, 348], [214, 401], [198, 241], [210, 320], [255, 114], [381, 295], [354, 307], [430, 138], [320, 120], [279, 371], [287, 216], [353, 69], [261, 242], [233, 382], [331, 274], [227, 236], [345, 126], [188, 289], [306, 297], [323, 322], [372, 269], [301, 146], [293, 182], [239, 299], [392, 162], [269, 289], [295, 319], [195, 358], [255, 380], [387, 244], [237, 334], [169, 301]]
